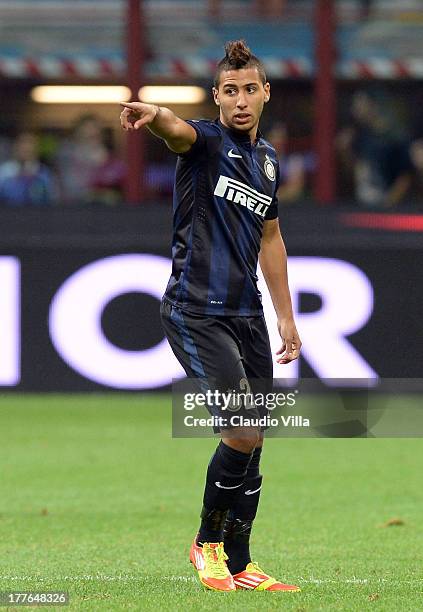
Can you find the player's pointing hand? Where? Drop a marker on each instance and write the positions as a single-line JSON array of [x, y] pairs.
[[137, 114]]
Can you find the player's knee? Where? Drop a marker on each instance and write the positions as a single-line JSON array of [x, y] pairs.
[[243, 439]]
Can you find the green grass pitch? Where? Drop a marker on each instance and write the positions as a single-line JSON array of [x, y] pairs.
[[97, 499]]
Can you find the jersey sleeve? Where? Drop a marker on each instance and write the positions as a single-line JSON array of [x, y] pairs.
[[208, 135], [272, 211]]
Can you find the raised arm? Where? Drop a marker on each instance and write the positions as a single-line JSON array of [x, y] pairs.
[[273, 263], [162, 122]]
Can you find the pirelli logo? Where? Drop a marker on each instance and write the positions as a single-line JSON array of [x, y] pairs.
[[242, 194]]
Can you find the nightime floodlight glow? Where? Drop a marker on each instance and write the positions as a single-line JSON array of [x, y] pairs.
[[80, 94], [172, 94]]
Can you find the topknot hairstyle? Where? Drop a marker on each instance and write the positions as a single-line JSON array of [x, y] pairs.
[[237, 56]]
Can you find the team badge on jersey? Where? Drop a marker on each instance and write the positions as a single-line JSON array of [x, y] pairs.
[[269, 169]]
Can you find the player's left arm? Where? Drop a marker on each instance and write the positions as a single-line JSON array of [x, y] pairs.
[[273, 263]]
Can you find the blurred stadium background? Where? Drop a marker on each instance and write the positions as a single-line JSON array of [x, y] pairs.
[[85, 235]]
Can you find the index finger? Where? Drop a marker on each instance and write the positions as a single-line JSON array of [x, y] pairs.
[[131, 105]]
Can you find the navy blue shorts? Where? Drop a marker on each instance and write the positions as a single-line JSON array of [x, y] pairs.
[[226, 350]]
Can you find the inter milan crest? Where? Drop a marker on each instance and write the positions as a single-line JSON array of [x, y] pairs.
[[269, 169]]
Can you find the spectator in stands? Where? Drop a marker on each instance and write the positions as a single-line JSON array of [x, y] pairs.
[[5, 148], [293, 166], [80, 160], [107, 185], [377, 153], [416, 154], [365, 8], [24, 180]]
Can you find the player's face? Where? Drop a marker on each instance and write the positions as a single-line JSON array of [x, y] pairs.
[[241, 96]]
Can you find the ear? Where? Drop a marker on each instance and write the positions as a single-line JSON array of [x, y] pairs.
[[216, 96], [267, 92]]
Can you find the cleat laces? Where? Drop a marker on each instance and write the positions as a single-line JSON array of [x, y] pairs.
[[215, 558], [256, 567]]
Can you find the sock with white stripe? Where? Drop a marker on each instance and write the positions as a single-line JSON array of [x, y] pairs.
[[225, 477], [239, 520]]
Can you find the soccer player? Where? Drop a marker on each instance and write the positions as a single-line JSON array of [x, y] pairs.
[[225, 219]]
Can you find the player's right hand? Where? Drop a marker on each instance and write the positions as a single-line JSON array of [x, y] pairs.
[[137, 114]]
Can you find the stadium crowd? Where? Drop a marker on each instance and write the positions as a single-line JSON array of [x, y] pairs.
[[379, 158]]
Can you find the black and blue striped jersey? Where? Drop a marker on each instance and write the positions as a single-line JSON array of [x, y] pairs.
[[225, 188]]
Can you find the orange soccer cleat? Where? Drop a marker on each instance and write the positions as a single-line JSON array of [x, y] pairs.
[[255, 579], [210, 562]]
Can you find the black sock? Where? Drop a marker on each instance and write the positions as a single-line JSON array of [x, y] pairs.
[[225, 476], [239, 521]]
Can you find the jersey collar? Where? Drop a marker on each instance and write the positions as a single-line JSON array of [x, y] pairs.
[[237, 135]]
